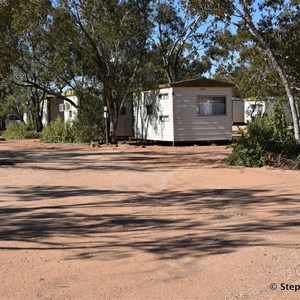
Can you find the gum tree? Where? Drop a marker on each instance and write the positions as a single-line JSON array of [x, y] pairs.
[[261, 19], [112, 40], [177, 40], [27, 50]]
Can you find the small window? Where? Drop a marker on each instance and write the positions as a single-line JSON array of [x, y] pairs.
[[163, 96], [70, 114], [149, 109], [164, 118], [211, 105]]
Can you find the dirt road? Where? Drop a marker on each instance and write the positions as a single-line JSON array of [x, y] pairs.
[[144, 223]]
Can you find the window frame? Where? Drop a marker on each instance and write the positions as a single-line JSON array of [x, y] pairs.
[[210, 97], [163, 96], [164, 118]]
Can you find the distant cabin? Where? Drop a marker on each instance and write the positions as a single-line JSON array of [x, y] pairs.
[[191, 110], [55, 107], [244, 111], [238, 111]]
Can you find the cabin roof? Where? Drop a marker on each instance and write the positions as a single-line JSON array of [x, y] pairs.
[[198, 82]]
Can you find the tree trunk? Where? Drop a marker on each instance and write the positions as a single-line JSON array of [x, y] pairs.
[[37, 121], [114, 118], [113, 137], [108, 99]]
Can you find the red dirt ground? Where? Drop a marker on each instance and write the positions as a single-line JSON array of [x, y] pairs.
[[144, 223]]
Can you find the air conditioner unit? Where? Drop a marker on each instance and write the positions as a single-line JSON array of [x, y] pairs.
[[61, 107], [64, 107]]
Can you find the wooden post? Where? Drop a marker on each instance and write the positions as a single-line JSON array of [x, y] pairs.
[[106, 125]]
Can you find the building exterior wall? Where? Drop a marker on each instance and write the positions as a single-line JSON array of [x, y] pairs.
[[238, 111], [190, 126], [156, 124], [71, 113], [254, 108], [53, 109], [125, 122], [288, 112]]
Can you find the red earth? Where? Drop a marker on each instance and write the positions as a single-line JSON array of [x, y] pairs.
[[152, 222]]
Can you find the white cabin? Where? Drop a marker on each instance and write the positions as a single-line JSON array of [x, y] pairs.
[[191, 110], [56, 107], [253, 108], [238, 111]]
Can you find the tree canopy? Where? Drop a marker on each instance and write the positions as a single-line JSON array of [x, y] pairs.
[[266, 24], [112, 48]]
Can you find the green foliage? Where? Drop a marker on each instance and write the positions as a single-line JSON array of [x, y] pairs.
[[86, 130], [58, 132], [12, 100], [247, 149], [19, 131], [267, 28], [88, 125], [266, 137], [176, 40]]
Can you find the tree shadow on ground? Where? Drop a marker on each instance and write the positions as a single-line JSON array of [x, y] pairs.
[[144, 161], [109, 224]]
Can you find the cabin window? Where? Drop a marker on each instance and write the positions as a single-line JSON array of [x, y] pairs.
[[163, 96], [164, 118], [211, 105], [149, 109]]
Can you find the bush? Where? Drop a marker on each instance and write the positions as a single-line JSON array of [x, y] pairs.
[[86, 131], [77, 132], [266, 138], [88, 125], [19, 131], [58, 132]]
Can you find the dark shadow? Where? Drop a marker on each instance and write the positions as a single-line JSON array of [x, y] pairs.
[[169, 224], [139, 161]]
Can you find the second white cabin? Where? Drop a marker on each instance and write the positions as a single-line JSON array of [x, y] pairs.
[[191, 110]]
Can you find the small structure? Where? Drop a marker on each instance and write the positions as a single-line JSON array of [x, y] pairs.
[[244, 111], [55, 107], [191, 110], [125, 122], [238, 111], [253, 108]]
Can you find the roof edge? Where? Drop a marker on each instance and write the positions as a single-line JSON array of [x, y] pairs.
[[198, 82]]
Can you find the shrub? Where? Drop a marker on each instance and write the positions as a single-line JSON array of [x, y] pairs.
[[58, 132], [86, 130], [78, 131], [247, 152], [265, 137], [19, 131], [88, 125]]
